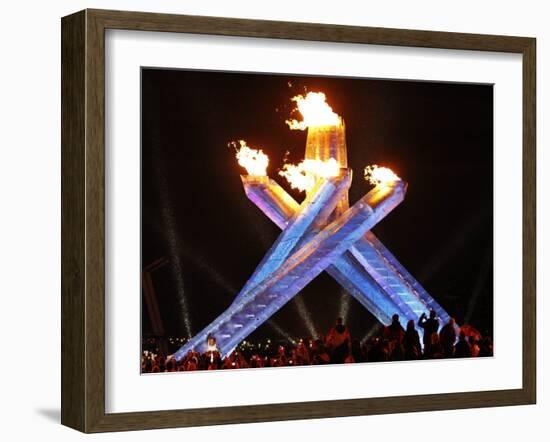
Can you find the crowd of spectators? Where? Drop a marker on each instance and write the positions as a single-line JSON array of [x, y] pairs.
[[394, 343]]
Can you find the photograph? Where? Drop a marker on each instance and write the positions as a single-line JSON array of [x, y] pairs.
[[291, 220]]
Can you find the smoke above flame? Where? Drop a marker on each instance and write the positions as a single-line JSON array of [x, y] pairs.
[[253, 160], [315, 112], [302, 176], [379, 175]]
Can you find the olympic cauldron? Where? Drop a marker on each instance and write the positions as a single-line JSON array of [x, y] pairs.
[[323, 233]]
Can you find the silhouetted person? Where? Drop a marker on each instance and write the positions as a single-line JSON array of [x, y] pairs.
[[462, 348], [394, 332], [430, 326], [397, 351], [447, 337], [411, 342], [339, 341]]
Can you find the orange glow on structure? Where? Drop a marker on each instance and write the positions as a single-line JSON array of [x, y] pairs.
[[302, 176], [253, 160], [379, 175], [315, 112]]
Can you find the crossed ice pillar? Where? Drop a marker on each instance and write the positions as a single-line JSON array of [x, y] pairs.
[[305, 248]]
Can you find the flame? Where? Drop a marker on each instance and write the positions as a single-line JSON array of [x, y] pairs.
[[379, 175], [302, 176], [315, 112], [253, 160]]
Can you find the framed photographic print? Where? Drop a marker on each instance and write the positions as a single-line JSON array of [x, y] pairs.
[[268, 220]]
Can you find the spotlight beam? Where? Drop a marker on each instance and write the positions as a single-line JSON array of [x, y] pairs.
[[279, 330], [175, 262], [304, 314], [345, 299], [172, 239]]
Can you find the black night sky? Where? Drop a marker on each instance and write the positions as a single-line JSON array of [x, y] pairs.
[[436, 136]]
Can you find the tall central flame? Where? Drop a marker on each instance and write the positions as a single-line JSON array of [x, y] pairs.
[[315, 112], [323, 124]]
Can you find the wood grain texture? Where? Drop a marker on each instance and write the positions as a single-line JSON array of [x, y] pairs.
[[95, 222], [529, 222], [73, 128], [83, 219], [306, 31]]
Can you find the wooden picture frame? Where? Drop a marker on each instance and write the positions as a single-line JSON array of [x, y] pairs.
[[83, 220]]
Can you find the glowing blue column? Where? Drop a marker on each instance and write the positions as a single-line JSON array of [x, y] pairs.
[[407, 282]]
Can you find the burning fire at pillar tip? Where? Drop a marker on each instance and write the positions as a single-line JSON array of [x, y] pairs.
[[315, 112], [379, 175], [303, 175], [253, 160]]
